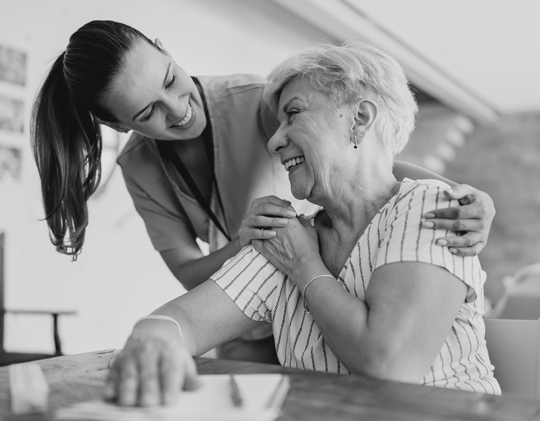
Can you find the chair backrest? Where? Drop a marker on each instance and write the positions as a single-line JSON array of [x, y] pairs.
[[2, 303], [514, 350]]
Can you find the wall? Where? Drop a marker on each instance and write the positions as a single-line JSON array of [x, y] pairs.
[[118, 277]]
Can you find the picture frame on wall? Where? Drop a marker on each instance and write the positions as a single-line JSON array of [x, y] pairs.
[[11, 114], [10, 164], [12, 65]]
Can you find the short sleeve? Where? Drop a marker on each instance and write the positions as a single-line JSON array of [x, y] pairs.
[[404, 239], [166, 223], [251, 281]]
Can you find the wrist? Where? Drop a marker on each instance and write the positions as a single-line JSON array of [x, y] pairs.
[[158, 325]]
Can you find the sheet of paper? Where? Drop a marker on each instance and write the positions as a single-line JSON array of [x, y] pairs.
[[262, 396]]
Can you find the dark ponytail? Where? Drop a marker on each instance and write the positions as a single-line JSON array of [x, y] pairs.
[[66, 137]]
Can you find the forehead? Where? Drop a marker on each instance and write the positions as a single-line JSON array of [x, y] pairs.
[[139, 81], [298, 88]]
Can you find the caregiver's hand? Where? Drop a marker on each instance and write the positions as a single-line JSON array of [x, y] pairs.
[[293, 246], [472, 220], [264, 214], [153, 367]]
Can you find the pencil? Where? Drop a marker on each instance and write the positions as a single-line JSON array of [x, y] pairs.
[[235, 392]]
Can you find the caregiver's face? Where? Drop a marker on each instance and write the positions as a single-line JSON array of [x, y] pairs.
[[311, 139], [153, 96]]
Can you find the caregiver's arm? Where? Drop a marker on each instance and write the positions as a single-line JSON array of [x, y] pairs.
[[191, 267], [397, 332], [472, 219], [156, 362]]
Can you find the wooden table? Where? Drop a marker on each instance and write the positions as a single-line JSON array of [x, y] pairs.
[[313, 396]]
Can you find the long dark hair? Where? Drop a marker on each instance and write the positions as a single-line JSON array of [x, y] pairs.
[[66, 138]]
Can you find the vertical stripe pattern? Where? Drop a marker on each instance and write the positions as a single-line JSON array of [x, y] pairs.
[[394, 235]]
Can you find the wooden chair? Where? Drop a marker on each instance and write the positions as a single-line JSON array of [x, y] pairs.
[[514, 350], [7, 358]]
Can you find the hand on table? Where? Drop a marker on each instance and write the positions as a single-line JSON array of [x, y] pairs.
[[264, 214], [472, 220], [152, 369]]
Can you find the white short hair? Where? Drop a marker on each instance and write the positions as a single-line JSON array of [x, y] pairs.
[[350, 72]]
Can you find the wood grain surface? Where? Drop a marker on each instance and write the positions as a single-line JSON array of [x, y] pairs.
[[313, 395]]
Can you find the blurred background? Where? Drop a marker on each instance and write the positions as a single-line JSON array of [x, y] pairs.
[[474, 67]]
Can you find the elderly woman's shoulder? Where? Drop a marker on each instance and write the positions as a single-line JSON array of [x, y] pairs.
[[425, 184]]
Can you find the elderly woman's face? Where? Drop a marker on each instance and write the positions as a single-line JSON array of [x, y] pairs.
[[155, 97], [312, 140]]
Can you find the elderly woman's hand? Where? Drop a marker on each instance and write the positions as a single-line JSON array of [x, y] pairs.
[[472, 220], [264, 214], [152, 368], [293, 246]]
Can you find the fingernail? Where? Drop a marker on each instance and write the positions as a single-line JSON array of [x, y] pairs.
[[427, 224], [429, 216], [442, 242], [283, 222], [291, 212], [271, 233], [453, 251]]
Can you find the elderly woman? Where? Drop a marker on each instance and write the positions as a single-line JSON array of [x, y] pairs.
[[357, 288]]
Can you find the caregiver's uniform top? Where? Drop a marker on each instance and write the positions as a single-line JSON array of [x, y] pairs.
[[394, 235], [245, 169]]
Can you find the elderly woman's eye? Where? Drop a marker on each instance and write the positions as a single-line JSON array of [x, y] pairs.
[[291, 114]]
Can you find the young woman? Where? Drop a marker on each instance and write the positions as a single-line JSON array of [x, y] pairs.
[[196, 162]]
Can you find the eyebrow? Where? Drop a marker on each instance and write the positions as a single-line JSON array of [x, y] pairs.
[[149, 105], [288, 103]]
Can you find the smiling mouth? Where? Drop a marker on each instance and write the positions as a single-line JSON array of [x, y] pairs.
[[290, 163], [186, 119]]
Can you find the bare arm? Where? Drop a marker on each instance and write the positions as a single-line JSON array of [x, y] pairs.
[[191, 267], [156, 362], [398, 331]]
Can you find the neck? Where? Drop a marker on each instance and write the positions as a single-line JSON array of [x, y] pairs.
[[352, 208]]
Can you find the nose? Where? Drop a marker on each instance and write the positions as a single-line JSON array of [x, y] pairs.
[[175, 107], [279, 141]]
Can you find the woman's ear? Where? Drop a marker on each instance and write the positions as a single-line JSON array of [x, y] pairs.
[[365, 115], [160, 47], [115, 126]]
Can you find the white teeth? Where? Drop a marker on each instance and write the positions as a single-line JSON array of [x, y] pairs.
[[292, 162], [187, 118]]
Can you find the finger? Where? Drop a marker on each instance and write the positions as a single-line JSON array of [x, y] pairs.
[[191, 381], [149, 389], [472, 211], [171, 379], [468, 251], [262, 221], [126, 386], [464, 241], [467, 225], [271, 209], [460, 191], [109, 390], [261, 234], [270, 199]]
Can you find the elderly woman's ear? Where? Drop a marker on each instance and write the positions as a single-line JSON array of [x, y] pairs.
[[365, 115]]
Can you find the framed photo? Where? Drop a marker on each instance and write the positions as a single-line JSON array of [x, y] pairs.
[[11, 114], [10, 164], [12, 66]]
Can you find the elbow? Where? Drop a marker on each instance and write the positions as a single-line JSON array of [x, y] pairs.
[[388, 363]]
